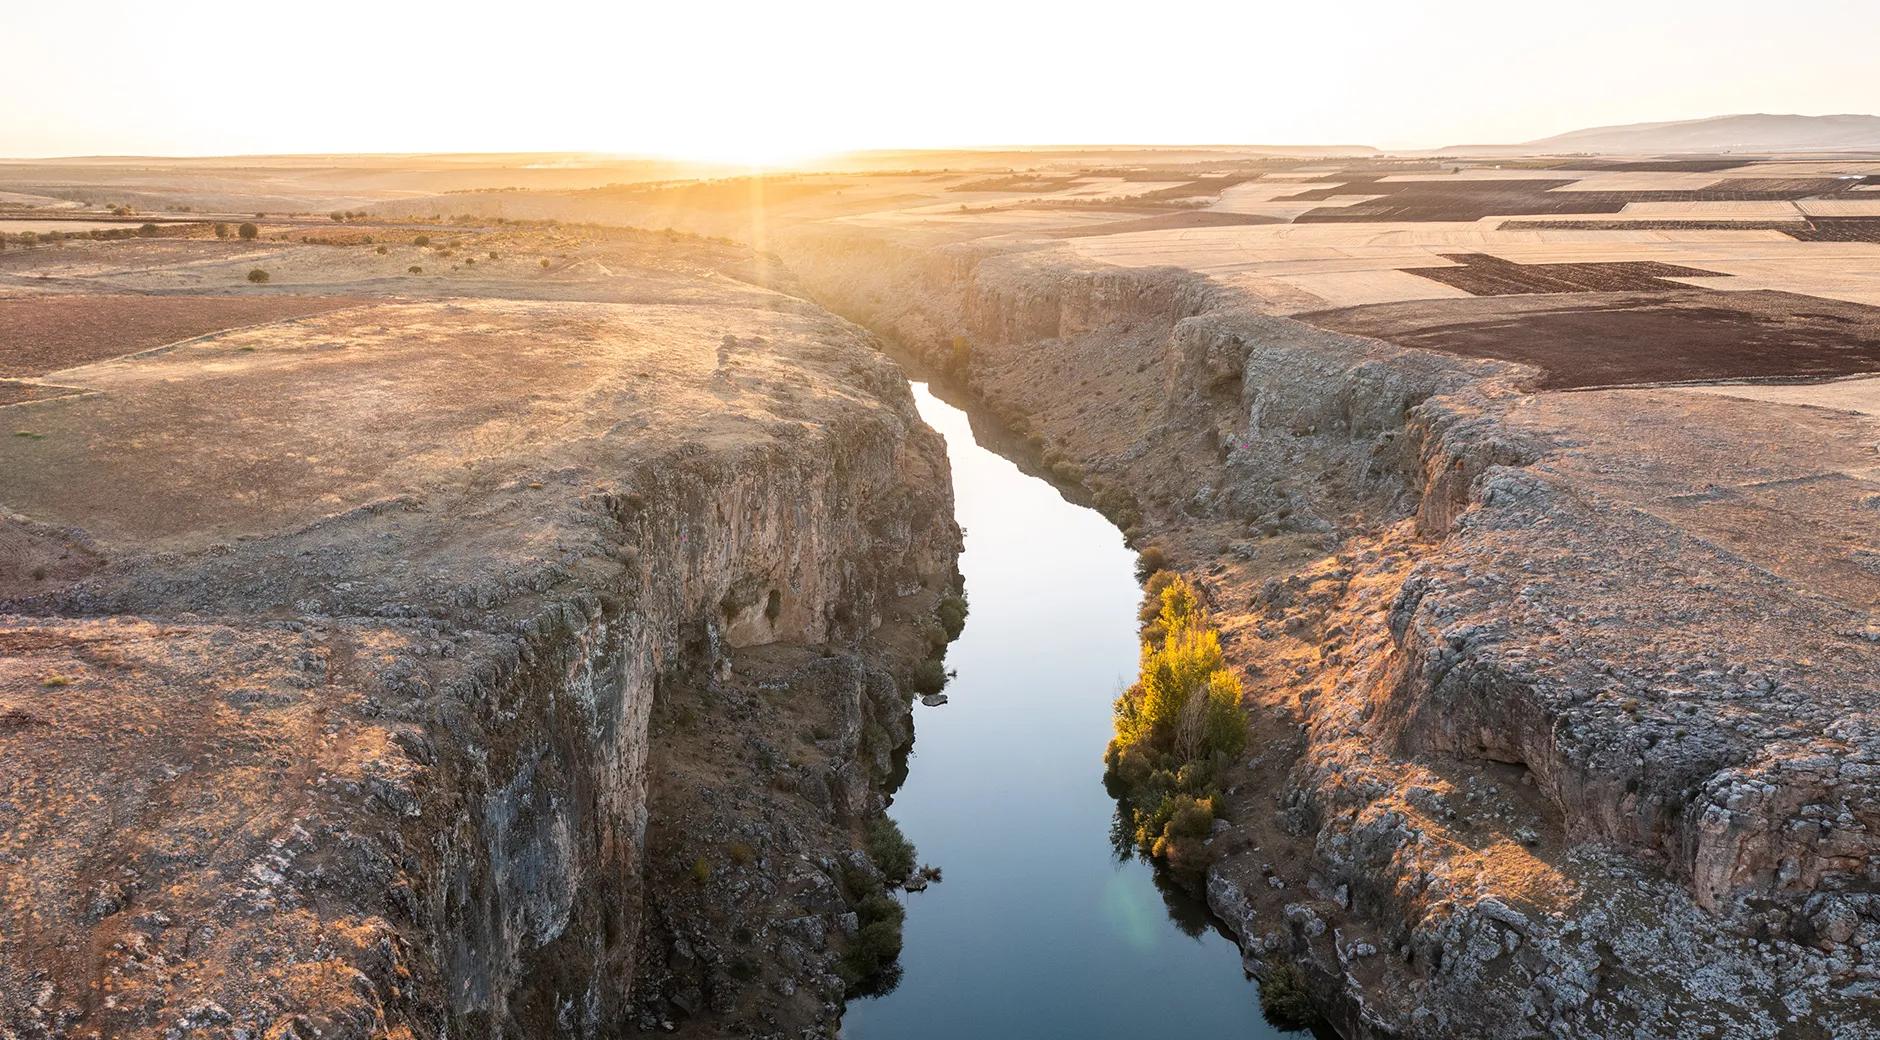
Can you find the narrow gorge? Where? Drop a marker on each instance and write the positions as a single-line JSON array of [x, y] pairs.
[[1532, 755]]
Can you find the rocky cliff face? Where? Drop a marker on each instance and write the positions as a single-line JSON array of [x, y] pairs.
[[393, 770], [1544, 744]]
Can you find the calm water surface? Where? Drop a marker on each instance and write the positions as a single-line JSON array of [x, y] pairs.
[[1038, 931]]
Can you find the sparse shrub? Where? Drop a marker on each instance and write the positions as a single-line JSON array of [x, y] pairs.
[[1152, 558], [258, 276], [53, 681], [867, 965], [381, 250], [29, 238], [249, 232], [960, 355], [741, 854], [421, 241], [1152, 599], [337, 217], [952, 614], [492, 254], [414, 269], [221, 230], [545, 263], [889, 849], [701, 870], [930, 676], [1284, 998]]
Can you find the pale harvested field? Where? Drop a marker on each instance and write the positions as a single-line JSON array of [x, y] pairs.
[[1850, 276], [1628, 180], [1350, 289], [1266, 198], [1310, 266], [1712, 210], [1486, 173], [1807, 168], [1841, 207], [981, 221], [1861, 395]]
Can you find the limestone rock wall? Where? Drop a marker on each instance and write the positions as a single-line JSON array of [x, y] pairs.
[[388, 774], [1562, 767]]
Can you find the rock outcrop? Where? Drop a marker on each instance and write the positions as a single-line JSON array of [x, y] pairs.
[[1563, 704], [346, 729]]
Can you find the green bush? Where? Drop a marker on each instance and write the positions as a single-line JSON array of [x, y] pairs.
[[248, 232], [952, 614], [930, 676], [870, 957], [1284, 998], [258, 276], [889, 850]]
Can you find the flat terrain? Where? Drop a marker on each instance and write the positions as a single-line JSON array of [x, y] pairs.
[[331, 610], [47, 332]]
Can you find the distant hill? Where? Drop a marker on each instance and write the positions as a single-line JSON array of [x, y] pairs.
[[1737, 133]]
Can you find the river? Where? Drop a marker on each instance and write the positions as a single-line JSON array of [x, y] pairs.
[[1038, 931]]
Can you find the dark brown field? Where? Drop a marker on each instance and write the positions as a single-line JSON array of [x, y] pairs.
[[1484, 275], [1617, 339]]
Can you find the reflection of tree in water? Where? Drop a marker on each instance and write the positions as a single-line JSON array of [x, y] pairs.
[[880, 984], [1188, 913]]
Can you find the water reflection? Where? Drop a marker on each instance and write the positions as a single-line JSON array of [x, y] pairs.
[[1040, 929]]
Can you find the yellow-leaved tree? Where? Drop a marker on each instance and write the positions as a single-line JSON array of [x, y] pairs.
[[1176, 727]]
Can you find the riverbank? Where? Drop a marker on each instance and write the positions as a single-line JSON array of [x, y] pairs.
[[1039, 929], [1496, 784], [519, 663]]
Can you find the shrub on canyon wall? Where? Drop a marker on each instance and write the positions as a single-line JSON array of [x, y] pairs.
[[1177, 729]]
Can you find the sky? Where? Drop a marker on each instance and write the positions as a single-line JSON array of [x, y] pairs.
[[776, 82]]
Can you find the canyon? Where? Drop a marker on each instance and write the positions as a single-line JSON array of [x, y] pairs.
[[364, 671], [516, 671]]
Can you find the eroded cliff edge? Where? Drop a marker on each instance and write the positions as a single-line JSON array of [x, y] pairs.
[[1563, 704], [332, 651]]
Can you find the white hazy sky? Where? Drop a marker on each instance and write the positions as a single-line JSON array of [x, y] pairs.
[[782, 80]]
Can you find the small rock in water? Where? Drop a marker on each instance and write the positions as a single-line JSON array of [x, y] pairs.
[[934, 700], [916, 884]]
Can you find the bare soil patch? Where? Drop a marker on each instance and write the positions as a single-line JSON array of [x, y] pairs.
[[1484, 275], [12, 391], [40, 334], [1467, 199], [1632, 338]]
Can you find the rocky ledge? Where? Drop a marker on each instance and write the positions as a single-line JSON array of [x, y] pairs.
[[355, 671], [1563, 705]]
